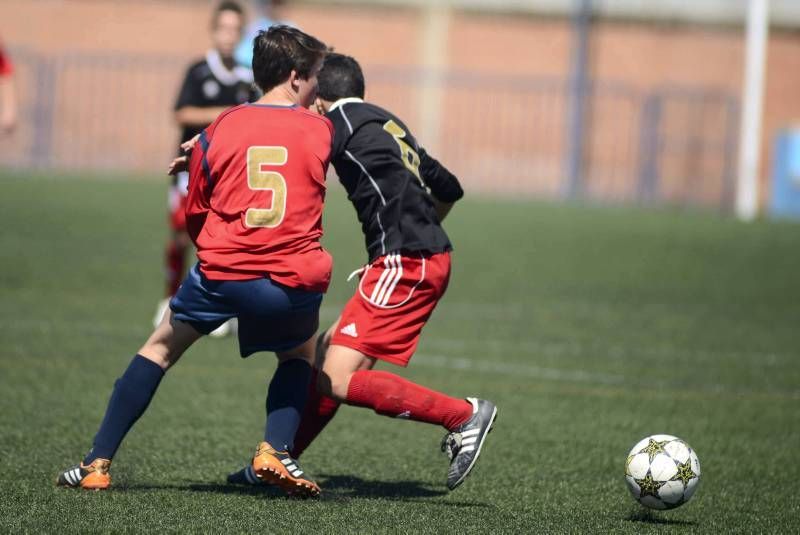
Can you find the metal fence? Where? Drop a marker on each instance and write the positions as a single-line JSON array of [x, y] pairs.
[[501, 135]]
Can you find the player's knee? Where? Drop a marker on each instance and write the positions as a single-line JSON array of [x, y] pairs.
[[156, 354], [334, 384]]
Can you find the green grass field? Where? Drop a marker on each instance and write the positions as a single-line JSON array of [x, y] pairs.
[[589, 327]]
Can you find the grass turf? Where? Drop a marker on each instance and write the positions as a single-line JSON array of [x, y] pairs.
[[589, 327]]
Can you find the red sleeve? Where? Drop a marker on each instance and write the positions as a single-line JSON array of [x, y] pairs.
[[322, 142], [6, 68], [197, 201]]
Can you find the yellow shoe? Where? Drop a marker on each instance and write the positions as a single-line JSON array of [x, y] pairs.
[[93, 477], [278, 468]]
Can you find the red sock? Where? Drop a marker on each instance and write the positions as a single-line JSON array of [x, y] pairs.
[[391, 395], [318, 412], [176, 261]]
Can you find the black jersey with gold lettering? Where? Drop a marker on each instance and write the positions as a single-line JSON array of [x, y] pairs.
[[209, 83], [390, 179]]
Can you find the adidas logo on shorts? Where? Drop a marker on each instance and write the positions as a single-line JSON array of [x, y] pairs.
[[350, 330]]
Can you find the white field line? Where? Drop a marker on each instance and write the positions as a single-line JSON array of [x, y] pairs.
[[549, 348], [464, 362], [571, 348], [515, 369]]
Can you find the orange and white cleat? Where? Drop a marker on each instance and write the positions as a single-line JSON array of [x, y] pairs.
[[92, 477], [280, 469]]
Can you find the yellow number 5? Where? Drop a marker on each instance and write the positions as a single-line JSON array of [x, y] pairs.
[[407, 154], [259, 179]]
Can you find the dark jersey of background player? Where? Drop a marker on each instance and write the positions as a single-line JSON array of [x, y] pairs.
[[389, 179], [209, 83]]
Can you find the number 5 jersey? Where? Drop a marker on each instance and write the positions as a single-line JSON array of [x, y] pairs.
[[256, 194]]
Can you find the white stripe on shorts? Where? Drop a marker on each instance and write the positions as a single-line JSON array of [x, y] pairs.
[[397, 278]]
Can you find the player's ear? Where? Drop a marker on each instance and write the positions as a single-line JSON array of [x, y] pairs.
[[294, 79]]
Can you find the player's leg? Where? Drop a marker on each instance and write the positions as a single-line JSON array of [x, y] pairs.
[[384, 320], [348, 377], [318, 411], [130, 397], [273, 317], [286, 400]]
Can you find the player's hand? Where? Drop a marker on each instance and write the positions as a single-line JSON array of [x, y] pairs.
[[187, 146], [179, 164]]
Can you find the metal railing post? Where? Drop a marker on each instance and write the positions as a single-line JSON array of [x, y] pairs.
[[578, 94]]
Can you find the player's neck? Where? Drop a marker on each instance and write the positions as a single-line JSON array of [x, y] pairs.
[[228, 62], [279, 96]]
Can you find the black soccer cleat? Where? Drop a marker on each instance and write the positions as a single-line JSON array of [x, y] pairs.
[[463, 445], [245, 476]]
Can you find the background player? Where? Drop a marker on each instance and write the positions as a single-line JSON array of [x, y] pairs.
[[401, 195], [254, 211], [266, 13], [211, 85], [8, 99]]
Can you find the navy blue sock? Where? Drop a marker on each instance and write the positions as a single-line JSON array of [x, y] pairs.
[[286, 399], [129, 399]]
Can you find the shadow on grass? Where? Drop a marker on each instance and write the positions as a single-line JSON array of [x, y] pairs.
[[215, 488], [353, 487], [336, 487], [647, 516]]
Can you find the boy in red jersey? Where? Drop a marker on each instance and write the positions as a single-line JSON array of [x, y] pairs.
[[256, 193], [401, 194]]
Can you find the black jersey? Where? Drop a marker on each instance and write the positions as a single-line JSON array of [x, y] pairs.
[[390, 179], [208, 83]]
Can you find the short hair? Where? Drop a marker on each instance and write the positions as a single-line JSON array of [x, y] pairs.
[[280, 50], [340, 77], [226, 5]]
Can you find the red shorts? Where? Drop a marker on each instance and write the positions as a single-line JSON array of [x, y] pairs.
[[178, 193], [396, 295]]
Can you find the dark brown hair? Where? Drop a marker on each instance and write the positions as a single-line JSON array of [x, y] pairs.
[[340, 77], [282, 49]]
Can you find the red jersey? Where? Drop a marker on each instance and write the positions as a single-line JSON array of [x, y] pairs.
[[256, 192], [5, 63]]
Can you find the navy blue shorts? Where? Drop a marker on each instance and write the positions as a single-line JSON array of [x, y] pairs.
[[272, 317]]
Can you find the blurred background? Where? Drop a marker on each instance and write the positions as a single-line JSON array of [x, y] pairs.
[[621, 101]]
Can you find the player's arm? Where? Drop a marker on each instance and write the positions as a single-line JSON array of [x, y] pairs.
[[442, 208], [444, 186]]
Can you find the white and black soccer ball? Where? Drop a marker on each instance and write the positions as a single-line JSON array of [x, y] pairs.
[[662, 472]]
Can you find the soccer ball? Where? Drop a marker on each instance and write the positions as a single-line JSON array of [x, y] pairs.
[[662, 472]]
